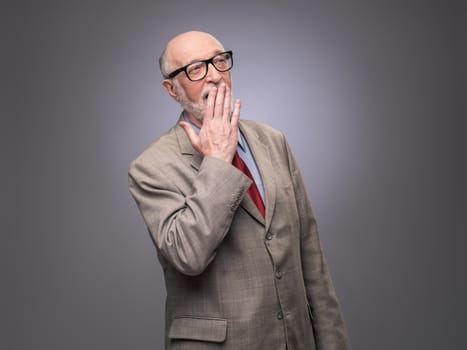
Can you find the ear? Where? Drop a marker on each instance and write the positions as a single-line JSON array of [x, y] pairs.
[[169, 86]]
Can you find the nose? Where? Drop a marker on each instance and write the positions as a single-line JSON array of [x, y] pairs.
[[213, 75]]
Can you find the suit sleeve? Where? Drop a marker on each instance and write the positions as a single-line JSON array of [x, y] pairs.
[[328, 323], [188, 227]]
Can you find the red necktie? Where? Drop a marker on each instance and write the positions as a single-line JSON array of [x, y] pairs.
[[253, 189]]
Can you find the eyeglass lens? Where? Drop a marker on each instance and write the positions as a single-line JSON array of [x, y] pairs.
[[198, 70]]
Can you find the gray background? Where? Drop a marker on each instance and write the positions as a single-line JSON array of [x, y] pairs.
[[370, 94]]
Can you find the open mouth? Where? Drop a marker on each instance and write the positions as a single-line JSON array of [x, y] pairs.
[[205, 94]]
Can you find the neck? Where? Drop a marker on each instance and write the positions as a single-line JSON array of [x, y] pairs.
[[194, 120]]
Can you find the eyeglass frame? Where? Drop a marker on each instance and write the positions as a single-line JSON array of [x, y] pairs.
[[206, 62]]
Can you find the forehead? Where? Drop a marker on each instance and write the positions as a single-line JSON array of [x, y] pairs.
[[188, 48]]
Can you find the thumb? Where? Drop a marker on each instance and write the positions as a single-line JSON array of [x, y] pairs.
[[190, 132]]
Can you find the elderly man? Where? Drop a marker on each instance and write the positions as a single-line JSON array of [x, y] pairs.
[[227, 209]]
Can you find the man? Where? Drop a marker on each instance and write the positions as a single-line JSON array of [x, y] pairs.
[[227, 209]]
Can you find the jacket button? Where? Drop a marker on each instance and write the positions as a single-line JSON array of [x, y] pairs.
[[269, 236], [279, 315], [278, 274]]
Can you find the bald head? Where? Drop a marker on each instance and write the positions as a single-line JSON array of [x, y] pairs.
[[186, 47]]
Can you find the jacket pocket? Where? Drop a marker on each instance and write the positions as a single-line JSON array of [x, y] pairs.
[[199, 328]]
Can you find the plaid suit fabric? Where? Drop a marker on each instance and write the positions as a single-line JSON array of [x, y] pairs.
[[234, 279]]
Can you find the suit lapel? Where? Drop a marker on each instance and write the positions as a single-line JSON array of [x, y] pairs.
[[186, 149], [263, 162]]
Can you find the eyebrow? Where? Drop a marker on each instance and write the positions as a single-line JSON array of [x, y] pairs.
[[200, 60]]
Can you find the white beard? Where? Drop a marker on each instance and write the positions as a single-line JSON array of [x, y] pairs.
[[196, 109]]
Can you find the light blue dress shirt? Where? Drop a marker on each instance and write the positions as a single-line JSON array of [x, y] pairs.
[[245, 153]]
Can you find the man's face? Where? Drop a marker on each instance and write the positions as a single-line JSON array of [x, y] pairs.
[[192, 95]]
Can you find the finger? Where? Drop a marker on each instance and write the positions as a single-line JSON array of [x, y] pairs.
[[219, 105], [190, 132], [209, 114], [236, 114], [227, 99]]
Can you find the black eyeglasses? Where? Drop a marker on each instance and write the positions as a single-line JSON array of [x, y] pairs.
[[197, 70]]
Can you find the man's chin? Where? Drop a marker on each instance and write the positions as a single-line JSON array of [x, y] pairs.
[[195, 111]]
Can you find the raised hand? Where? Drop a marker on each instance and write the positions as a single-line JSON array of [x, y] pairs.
[[218, 136]]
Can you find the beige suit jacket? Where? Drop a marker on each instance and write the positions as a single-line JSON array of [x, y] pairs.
[[235, 280]]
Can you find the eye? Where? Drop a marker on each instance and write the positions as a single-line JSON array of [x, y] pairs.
[[195, 67], [222, 61]]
